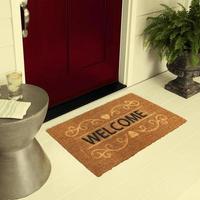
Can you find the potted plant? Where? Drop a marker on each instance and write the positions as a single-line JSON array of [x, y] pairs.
[[175, 36]]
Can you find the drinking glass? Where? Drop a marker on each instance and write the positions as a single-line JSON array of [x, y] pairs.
[[14, 84]]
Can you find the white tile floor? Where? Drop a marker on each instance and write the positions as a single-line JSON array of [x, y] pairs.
[[169, 169]]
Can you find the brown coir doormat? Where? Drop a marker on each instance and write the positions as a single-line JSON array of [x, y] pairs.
[[112, 133]]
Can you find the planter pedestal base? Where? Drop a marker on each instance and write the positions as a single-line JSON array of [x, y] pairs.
[[183, 90], [183, 85]]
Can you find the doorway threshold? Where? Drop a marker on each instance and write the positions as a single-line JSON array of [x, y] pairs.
[[75, 103]]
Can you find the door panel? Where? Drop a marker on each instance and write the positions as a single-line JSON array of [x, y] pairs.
[[73, 46], [86, 43]]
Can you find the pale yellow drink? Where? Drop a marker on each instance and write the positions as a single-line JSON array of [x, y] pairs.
[[14, 81]]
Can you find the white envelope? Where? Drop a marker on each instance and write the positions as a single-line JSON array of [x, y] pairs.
[[13, 109]]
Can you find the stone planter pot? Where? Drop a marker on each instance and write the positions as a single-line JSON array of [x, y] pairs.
[[183, 85]]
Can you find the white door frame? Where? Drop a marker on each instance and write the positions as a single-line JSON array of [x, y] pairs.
[[17, 36], [126, 43]]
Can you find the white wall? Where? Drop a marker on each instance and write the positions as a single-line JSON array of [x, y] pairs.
[[7, 52], [139, 64]]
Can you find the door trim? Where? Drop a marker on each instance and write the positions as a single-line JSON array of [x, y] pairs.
[[17, 36], [126, 40]]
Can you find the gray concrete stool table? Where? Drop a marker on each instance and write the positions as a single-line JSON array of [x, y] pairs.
[[24, 167]]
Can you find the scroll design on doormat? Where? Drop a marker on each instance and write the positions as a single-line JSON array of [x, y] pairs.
[[73, 131], [158, 120], [109, 149], [127, 105]]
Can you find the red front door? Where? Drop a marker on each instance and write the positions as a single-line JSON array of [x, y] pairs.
[[73, 46]]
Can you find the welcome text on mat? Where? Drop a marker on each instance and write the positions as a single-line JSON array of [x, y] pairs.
[[114, 127]]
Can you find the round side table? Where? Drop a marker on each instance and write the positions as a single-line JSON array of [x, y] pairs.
[[24, 167]]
